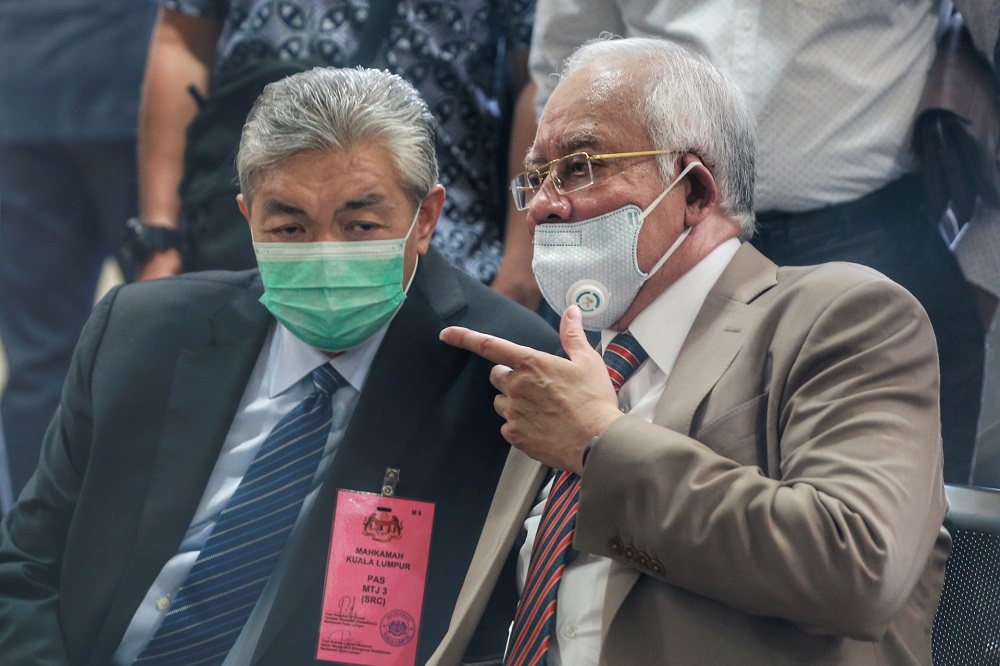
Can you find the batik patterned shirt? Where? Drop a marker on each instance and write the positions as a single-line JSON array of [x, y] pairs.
[[448, 49]]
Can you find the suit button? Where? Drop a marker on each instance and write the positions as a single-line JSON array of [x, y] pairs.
[[657, 567], [162, 604], [630, 553], [616, 546], [642, 559]]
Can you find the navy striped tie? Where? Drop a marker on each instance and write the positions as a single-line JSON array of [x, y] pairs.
[[536, 611], [215, 601]]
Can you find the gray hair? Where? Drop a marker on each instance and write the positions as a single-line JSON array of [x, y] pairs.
[[329, 108], [688, 105]]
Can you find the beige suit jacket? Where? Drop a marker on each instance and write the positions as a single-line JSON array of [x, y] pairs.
[[785, 505]]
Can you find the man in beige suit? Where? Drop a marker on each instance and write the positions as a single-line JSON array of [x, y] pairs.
[[766, 488]]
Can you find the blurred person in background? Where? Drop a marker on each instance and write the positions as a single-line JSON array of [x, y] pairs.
[[835, 86], [70, 72]]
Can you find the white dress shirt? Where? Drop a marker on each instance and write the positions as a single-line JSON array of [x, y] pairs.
[[661, 329], [834, 83], [280, 380]]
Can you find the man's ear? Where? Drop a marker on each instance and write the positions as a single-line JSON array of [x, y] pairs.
[[241, 202], [430, 211], [701, 190]]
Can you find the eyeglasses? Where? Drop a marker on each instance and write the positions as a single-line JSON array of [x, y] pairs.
[[569, 174]]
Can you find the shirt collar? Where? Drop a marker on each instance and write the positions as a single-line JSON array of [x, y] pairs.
[[662, 327], [290, 359]]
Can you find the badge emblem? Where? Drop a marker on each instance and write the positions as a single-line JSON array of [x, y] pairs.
[[383, 526]]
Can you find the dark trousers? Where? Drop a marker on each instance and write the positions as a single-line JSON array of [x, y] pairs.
[[63, 208], [890, 231]]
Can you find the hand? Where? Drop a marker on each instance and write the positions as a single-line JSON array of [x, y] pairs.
[[552, 406], [161, 263]]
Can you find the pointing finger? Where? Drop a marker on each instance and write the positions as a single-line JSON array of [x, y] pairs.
[[489, 347]]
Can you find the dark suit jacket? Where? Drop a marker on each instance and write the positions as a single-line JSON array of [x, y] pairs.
[[154, 386]]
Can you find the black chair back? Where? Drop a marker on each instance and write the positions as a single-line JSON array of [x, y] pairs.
[[967, 624]]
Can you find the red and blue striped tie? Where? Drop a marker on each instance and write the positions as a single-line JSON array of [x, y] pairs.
[[537, 610]]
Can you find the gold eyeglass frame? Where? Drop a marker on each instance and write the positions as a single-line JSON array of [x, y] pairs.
[[544, 171]]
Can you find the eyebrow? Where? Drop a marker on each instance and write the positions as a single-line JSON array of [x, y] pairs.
[[277, 207], [574, 143], [273, 207], [367, 201]]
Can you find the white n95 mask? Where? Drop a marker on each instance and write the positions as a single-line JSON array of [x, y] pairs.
[[594, 264]]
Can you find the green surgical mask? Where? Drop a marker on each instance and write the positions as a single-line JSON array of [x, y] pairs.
[[334, 295]]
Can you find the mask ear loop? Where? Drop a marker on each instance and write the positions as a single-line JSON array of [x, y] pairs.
[[416, 257], [652, 206]]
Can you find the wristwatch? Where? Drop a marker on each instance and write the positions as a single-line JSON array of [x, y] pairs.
[[141, 239]]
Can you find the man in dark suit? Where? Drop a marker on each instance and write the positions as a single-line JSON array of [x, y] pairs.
[[177, 383]]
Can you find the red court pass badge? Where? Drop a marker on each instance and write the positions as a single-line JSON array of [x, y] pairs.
[[375, 580]]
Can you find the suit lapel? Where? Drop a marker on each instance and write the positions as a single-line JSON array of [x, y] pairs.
[[208, 383], [716, 337], [517, 490], [718, 333], [410, 371]]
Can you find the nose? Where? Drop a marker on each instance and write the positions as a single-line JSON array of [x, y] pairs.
[[326, 235], [548, 206]]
